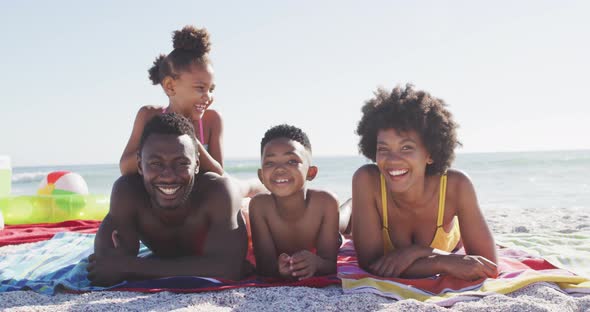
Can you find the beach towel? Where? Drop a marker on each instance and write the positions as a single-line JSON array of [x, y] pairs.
[[59, 264], [517, 270], [29, 233]]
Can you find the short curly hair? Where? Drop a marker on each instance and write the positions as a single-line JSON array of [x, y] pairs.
[[191, 46], [169, 123], [285, 131], [405, 109]]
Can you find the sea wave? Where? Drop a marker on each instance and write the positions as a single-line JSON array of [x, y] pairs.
[[28, 177]]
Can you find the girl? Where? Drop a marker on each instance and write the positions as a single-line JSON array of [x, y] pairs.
[[409, 211], [186, 76]]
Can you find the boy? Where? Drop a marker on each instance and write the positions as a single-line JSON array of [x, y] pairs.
[[294, 229]]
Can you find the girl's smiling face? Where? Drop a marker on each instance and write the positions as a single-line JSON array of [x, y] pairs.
[[402, 158], [193, 90]]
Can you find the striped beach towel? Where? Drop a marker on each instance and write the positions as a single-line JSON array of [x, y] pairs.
[[517, 270], [59, 264]]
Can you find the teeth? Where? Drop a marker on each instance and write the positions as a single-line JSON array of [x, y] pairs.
[[201, 107], [398, 172], [168, 190], [281, 180]]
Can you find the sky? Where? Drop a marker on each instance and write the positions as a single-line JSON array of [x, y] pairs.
[[514, 73]]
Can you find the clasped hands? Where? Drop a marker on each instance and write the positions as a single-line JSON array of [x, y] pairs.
[[301, 265]]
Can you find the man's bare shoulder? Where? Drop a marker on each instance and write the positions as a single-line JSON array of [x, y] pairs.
[[128, 186], [217, 193], [128, 194], [213, 182]]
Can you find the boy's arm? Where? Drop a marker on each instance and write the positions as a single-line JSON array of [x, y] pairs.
[[327, 246], [264, 247], [225, 245]]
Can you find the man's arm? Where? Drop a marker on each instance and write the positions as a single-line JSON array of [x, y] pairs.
[[117, 237], [120, 218]]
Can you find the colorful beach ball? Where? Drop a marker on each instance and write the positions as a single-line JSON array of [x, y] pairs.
[[63, 183]]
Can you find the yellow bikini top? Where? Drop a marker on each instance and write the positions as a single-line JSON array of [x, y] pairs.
[[442, 240]]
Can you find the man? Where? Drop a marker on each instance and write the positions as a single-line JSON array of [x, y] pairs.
[[190, 222]]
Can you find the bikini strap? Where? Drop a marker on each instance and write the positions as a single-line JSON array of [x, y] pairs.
[[384, 201], [441, 200]]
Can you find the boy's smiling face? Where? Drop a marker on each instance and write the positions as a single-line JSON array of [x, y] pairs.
[[285, 167]]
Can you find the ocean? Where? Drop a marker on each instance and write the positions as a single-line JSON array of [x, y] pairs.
[[547, 180], [539, 201]]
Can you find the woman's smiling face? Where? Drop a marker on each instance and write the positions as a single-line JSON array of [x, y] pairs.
[[401, 157]]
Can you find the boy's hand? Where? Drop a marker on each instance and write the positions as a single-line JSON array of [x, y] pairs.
[[395, 263], [284, 265], [303, 264], [468, 267]]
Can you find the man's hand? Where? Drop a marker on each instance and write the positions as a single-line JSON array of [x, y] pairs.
[[106, 269], [303, 264]]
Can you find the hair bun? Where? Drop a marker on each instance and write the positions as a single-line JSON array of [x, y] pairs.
[[192, 39]]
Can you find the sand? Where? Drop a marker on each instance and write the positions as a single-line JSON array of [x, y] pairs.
[[561, 236]]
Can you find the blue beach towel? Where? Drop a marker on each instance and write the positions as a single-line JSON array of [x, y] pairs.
[[59, 264]]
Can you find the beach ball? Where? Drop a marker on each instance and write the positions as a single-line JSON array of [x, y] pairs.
[[63, 196], [63, 183]]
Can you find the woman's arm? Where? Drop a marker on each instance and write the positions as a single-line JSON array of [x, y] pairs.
[[366, 222], [476, 236], [480, 260]]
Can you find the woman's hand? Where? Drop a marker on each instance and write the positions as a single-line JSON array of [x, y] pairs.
[[468, 267]]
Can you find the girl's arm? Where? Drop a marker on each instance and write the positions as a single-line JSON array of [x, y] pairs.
[[128, 161], [211, 160], [215, 123]]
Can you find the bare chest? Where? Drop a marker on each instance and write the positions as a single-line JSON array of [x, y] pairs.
[[293, 236], [185, 238]]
